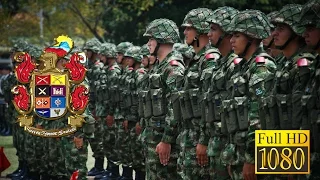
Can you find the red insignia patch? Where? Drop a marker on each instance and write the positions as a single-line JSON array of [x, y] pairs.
[[237, 60], [260, 59], [210, 56], [302, 62], [130, 68], [111, 68], [174, 63], [142, 71]]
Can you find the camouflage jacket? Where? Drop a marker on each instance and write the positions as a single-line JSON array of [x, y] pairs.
[[112, 98], [165, 80]]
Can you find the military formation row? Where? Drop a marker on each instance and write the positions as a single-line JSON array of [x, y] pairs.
[[189, 111]]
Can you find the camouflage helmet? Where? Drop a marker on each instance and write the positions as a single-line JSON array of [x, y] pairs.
[[163, 30], [310, 14], [108, 50], [290, 15], [19, 45], [123, 47], [253, 23], [134, 52], [270, 17], [197, 18], [144, 51], [184, 49], [222, 16], [93, 45], [34, 51]]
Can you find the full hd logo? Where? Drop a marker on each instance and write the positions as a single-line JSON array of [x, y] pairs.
[[282, 151]]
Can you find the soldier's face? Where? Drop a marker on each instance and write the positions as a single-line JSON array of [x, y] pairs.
[[145, 61], [129, 61], [281, 34], [103, 58], [152, 44], [88, 53], [238, 42], [119, 58], [214, 34], [311, 36], [190, 34], [267, 41]]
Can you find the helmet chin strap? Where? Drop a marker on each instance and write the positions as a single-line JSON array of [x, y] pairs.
[[155, 52], [269, 45], [293, 35], [196, 40], [246, 49], [219, 41]]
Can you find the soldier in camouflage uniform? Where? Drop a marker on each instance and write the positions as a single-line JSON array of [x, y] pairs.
[[245, 88], [109, 82], [164, 83], [195, 141], [74, 148], [92, 48], [217, 92], [310, 19], [268, 43], [188, 54], [132, 149], [142, 82], [17, 132]]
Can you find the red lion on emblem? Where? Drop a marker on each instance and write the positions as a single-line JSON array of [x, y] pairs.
[[79, 98], [25, 68], [21, 97], [77, 70]]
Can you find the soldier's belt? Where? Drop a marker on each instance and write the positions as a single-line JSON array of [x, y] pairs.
[[157, 122]]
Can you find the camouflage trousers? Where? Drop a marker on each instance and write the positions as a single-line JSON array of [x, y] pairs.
[[75, 159], [123, 143], [18, 134], [138, 151], [155, 170], [96, 143], [180, 169], [192, 171], [218, 170], [56, 156], [109, 142], [30, 145]]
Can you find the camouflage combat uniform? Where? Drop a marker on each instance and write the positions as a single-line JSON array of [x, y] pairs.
[[245, 88], [310, 17], [165, 80], [216, 80], [194, 85]]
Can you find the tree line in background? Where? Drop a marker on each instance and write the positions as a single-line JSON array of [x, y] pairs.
[[38, 21]]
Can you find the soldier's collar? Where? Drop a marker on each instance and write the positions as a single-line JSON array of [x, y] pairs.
[[200, 53]]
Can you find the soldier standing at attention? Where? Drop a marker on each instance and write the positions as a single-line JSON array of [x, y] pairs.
[[188, 54], [91, 48], [245, 87], [165, 80], [219, 38], [142, 82], [195, 141], [17, 132], [310, 19]]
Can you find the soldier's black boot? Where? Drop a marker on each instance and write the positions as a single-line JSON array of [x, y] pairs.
[[33, 176], [126, 173], [98, 167], [24, 173], [9, 130], [18, 171], [140, 175], [111, 173]]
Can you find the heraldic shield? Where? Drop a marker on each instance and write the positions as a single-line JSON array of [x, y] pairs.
[[53, 92]]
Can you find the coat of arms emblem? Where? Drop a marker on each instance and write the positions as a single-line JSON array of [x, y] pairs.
[[50, 93]]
